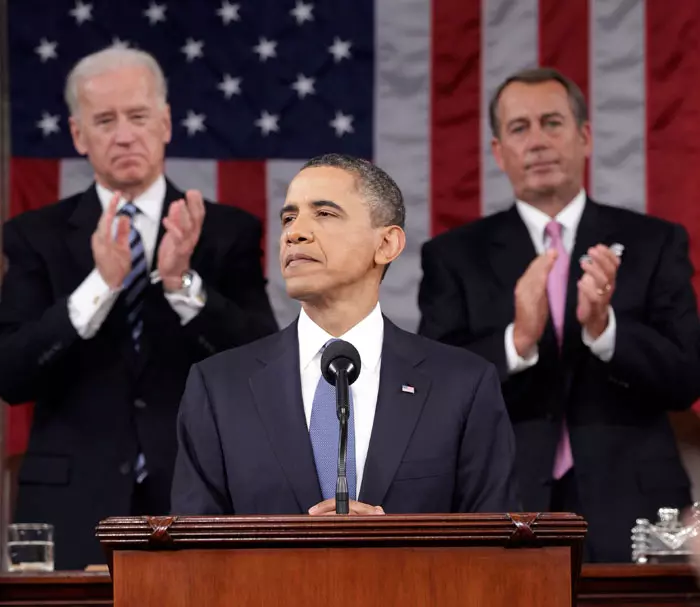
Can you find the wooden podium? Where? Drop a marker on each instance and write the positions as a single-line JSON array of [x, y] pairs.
[[474, 560]]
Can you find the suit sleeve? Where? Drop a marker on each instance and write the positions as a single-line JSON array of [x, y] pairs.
[[444, 315], [199, 481], [35, 330], [486, 474], [237, 309], [661, 356]]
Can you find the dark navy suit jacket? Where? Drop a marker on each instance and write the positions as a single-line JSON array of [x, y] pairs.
[[244, 447]]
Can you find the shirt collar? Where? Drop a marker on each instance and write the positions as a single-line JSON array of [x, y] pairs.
[[536, 221], [367, 336], [150, 202]]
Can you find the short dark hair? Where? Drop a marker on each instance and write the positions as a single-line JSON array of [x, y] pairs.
[[379, 189], [536, 76]]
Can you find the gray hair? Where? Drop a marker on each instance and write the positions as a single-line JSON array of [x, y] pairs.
[[538, 75], [379, 190], [107, 60]]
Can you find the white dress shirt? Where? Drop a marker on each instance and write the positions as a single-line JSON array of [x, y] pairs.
[[535, 221], [90, 304], [368, 337]]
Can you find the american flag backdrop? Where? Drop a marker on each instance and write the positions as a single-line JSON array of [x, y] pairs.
[[258, 86]]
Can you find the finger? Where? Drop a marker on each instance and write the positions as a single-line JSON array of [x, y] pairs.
[[589, 290], [323, 507], [185, 218], [122, 234], [362, 509], [104, 226], [173, 229], [195, 203], [606, 259], [593, 269], [174, 210]]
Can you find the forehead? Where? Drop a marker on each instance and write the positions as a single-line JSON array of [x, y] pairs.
[[322, 183], [120, 86], [520, 99]]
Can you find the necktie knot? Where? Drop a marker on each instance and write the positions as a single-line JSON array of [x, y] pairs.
[[553, 230], [129, 209]]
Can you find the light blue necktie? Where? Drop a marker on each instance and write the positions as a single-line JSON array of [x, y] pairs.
[[324, 430], [137, 280]]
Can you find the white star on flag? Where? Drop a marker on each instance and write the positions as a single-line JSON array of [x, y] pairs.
[[340, 49], [302, 12], [267, 123], [81, 12], [155, 13], [194, 123], [304, 86], [266, 49], [193, 49], [230, 86], [48, 124], [46, 50], [119, 43], [229, 12], [342, 124]]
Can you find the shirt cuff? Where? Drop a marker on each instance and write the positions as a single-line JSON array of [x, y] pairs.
[[604, 346], [189, 302], [517, 363], [90, 304]]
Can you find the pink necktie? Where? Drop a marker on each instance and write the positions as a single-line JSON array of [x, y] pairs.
[[556, 292]]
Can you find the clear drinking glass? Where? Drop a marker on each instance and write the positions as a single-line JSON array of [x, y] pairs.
[[30, 547]]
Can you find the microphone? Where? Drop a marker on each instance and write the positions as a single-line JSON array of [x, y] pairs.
[[340, 366]]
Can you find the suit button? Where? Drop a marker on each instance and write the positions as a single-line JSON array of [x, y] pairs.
[[125, 468], [139, 403]]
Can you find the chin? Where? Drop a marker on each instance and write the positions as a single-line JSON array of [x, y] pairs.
[[303, 288]]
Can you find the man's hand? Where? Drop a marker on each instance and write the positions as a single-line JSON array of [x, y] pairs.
[[531, 305], [327, 508], [595, 289], [183, 227], [111, 253]]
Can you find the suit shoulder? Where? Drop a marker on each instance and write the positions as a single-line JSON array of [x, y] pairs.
[[451, 359], [475, 233], [219, 212], [47, 216], [636, 221]]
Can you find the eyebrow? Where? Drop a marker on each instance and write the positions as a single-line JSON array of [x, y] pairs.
[[316, 204]]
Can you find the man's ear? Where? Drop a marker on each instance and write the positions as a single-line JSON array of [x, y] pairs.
[[392, 244], [76, 132]]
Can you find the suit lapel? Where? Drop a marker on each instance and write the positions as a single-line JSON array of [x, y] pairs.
[[511, 248], [82, 223], [277, 393], [592, 229], [396, 414]]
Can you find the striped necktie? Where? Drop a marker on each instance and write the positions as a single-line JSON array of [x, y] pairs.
[[136, 281]]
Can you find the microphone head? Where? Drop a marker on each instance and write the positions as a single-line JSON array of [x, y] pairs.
[[339, 356]]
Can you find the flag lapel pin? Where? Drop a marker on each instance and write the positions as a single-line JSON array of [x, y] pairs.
[[408, 389]]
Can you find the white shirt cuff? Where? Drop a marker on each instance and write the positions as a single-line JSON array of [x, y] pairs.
[[604, 346], [188, 302], [90, 304], [517, 363]]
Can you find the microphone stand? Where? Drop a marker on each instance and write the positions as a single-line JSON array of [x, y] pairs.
[[342, 503]]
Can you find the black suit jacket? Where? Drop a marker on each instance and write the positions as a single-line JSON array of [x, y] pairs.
[[97, 403], [244, 446], [625, 455]]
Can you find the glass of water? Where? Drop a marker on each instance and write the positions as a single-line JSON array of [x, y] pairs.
[[30, 547]]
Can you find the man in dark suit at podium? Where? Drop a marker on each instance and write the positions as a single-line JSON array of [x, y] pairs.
[[257, 427], [89, 334], [588, 313]]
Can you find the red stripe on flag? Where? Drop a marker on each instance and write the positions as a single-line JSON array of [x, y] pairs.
[[673, 116], [564, 41], [243, 183], [456, 114], [34, 183]]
